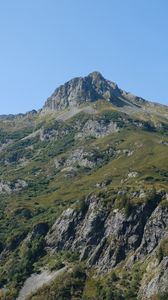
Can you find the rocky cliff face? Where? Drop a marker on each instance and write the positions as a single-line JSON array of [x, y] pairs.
[[106, 238], [82, 90]]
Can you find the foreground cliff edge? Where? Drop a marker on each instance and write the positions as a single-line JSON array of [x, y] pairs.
[[83, 190]]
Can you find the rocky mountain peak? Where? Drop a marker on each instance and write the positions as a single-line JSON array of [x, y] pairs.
[[96, 75], [81, 90]]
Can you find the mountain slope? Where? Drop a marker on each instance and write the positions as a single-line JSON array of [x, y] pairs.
[[83, 182]]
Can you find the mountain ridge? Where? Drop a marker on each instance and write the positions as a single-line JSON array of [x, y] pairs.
[[90, 88], [106, 90]]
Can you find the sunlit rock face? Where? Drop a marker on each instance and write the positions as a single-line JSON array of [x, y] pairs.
[[82, 90]]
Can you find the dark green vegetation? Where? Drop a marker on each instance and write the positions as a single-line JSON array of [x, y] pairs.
[[47, 165]]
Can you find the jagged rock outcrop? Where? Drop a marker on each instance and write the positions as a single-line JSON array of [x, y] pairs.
[[154, 281], [82, 90], [105, 238], [10, 187], [97, 129], [89, 159], [154, 231]]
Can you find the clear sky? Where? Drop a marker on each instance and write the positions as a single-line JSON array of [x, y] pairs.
[[44, 43]]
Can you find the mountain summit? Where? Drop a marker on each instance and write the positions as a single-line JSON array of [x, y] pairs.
[[81, 90], [79, 94]]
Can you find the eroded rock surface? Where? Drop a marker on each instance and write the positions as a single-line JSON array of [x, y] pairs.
[[157, 283], [105, 238], [82, 90]]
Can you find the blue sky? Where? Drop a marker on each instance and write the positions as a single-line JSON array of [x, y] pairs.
[[44, 43]]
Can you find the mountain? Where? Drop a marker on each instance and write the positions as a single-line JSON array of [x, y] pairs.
[[83, 90], [84, 196]]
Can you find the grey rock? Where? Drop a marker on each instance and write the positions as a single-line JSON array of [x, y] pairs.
[[83, 90], [80, 157], [158, 284], [154, 231], [96, 128], [10, 187], [105, 238]]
